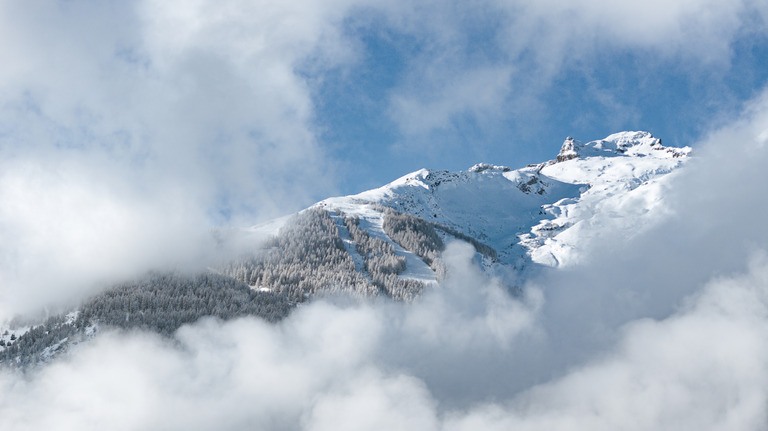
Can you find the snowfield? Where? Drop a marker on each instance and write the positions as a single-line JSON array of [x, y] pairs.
[[546, 214]]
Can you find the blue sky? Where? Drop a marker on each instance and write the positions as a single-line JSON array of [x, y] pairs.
[[679, 97], [251, 109], [146, 123]]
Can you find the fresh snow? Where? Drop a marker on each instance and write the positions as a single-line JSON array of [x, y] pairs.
[[269, 228], [625, 174], [492, 204], [547, 213], [350, 245], [372, 221]]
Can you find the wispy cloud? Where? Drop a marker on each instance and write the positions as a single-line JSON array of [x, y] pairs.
[[127, 131], [531, 46]]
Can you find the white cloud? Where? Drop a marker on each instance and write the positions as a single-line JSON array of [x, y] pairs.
[[701, 368], [68, 229], [529, 45], [336, 367], [128, 130], [326, 365], [447, 93]]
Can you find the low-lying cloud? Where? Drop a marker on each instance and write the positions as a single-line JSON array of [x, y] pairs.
[[128, 131], [380, 367]]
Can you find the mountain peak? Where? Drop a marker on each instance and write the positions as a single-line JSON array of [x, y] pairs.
[[541, 213], [480, 167], [637, 144]]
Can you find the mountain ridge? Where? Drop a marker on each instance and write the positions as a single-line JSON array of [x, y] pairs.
[[567, 190], [388, 242]]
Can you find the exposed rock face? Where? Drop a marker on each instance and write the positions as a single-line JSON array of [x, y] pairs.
[[641, 144], [568, 150]]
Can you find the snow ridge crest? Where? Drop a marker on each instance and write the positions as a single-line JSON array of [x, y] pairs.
[[637, 144]]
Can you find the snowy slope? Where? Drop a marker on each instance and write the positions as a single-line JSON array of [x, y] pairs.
[[372, 221], [490, 204], [543, 213], [625, 174]]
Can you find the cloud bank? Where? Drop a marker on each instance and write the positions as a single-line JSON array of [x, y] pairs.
[[128, 130]]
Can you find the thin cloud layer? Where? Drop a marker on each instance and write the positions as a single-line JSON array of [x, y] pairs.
[[494, 61]]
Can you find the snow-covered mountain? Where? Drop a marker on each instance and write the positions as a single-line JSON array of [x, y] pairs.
[[542, 213], [388, 241]]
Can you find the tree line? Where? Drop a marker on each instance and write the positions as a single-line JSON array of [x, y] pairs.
[[306, 258]]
